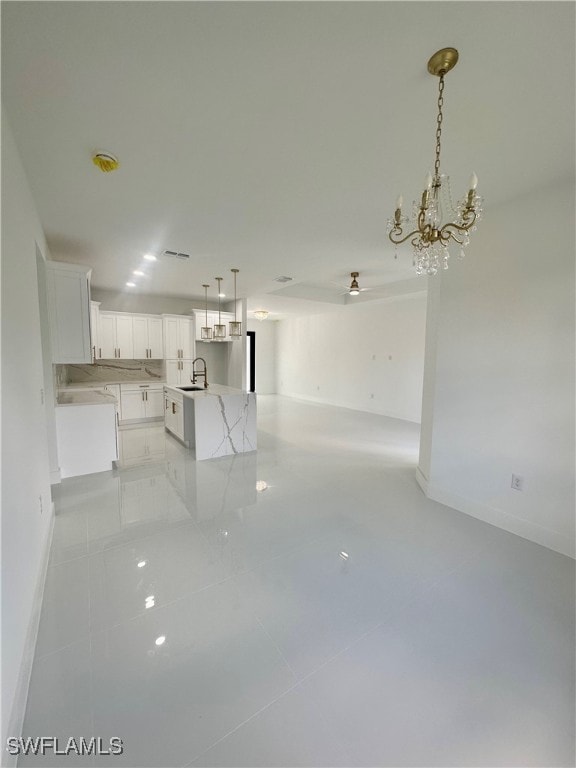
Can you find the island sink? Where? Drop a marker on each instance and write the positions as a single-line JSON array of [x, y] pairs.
[[191, 389]]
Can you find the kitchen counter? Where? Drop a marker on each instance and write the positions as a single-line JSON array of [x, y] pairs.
[[85, 397], [213, 422], [213, 389]]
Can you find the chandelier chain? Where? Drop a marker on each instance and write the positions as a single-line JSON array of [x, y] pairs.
[[439, 129]]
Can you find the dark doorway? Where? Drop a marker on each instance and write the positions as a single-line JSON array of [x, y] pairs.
[[251, 360]]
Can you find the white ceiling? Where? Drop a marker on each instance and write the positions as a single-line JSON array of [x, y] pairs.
[[274, 137]]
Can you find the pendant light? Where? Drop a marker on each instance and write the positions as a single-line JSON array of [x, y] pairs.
[[219, 333], [235, 325], [206, 331]]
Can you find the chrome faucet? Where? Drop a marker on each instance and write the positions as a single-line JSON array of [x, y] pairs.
[[196, 373]]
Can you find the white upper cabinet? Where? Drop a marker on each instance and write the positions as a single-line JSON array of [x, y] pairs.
[[147, 337], [178, 337], [116, 337], [200, 321], [68, 294]]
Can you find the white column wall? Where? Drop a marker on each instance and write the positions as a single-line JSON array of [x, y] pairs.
[[502, 367], [25, 456], [368, 357]]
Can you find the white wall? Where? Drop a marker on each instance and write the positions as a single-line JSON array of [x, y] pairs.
[[265, 331], [368, 357], [25, 456], [148, 304], [503, 363], [236, 350]]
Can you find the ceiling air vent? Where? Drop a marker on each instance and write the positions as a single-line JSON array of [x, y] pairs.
[[282, 279], [176, 255]]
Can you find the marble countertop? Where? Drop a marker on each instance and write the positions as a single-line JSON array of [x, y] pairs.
[[100, 384], [216, 390], [85, 397]]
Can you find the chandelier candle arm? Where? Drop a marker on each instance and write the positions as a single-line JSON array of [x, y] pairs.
[[428, 234]]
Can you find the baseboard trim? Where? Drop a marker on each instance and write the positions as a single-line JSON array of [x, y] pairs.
[[499, 518], [16, 721]]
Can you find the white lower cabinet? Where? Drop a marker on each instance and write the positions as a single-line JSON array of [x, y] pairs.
[[174, 413], [141, 401]]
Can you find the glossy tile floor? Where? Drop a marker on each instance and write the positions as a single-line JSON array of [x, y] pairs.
[[334, 617]]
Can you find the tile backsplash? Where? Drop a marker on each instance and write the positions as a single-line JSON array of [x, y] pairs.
[[103, 371]]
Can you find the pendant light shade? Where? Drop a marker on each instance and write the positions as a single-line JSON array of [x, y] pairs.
[[219, 332], [235, 325], [206, 331]]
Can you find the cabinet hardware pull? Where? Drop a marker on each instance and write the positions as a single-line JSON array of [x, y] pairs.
[[99, 351], [146, 393], [173, 407], [118, 351]]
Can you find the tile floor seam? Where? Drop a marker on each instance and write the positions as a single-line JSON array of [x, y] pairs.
[[156, 608], [304, 679]]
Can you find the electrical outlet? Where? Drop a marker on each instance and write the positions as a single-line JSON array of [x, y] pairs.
[[41, 507], [517, 483]]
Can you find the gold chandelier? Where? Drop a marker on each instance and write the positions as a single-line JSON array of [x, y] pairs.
[[429, 236]]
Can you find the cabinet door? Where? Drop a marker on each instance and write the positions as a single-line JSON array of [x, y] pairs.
[[107, 334], [140, 337], [94, 322], [178, 422], [132, 405], [172, 372], [68, 298], [186, 373], [185, 338], [124, 337], [154, 403], [171, 345], [155, 338]]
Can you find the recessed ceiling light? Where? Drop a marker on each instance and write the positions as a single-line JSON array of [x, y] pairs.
[[222, 295], [130, 285], [149, 602], [142, 563], [160, 640], [261, 485], [150, 257], [139, 273]]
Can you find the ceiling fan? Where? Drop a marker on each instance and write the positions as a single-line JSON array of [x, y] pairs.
[[353, 289]]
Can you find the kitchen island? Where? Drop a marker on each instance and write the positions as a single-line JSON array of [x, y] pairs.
[[217, 421]]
